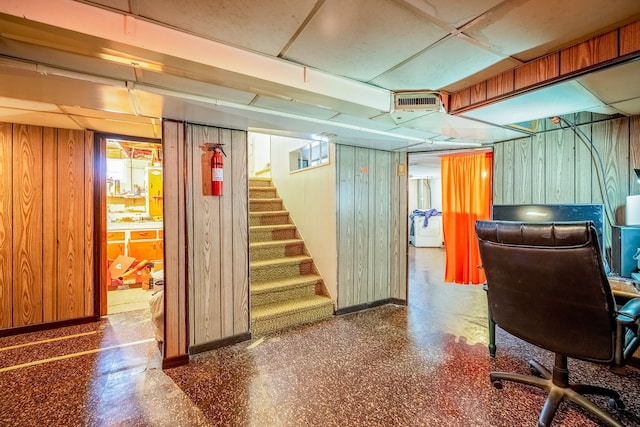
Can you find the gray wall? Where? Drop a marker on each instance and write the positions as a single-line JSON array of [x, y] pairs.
[[372, 226], [555, 166]]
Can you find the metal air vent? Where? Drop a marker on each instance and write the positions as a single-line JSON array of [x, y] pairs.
[[417, 101]]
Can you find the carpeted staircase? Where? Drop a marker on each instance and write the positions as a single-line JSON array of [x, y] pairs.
[[286, 289]]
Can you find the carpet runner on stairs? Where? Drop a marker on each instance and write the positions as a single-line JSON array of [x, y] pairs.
[[286, 289]]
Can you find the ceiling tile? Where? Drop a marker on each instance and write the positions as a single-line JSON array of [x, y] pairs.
[[292, 107], [440, 66], [450, 12], [262, 26], [361, 39], [37, 118], [630, 107], [614, 84], [529, 29]]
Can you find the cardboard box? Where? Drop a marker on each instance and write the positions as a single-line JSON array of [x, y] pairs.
[[120, 265]]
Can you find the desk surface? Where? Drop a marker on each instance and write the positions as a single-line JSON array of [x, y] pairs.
[[623, 287]]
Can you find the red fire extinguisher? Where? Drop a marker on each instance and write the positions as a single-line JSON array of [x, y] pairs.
[[216, 170]]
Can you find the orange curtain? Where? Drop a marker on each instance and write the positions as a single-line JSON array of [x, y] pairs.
[[466, 197]]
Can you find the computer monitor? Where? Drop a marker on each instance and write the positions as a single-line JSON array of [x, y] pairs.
[[555, 213]]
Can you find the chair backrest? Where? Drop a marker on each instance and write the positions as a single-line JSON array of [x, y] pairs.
[[546, 284]]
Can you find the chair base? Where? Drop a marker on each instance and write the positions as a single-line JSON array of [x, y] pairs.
[[558, 390]]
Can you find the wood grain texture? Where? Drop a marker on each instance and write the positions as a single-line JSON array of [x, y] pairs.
[[460, 99], [345, 165], [71, 228], [240, 226], [6, 226], [508, 163], [361, 212], [630, 38], [560, 166], [611, 138], [536, 71], [184, 257], [50, 225], [478, 93], [522, 172], [27, 225], [585, 168], [497, 180], [398, 229], [500, 84], [89, 224], [172, 144], [589, 53], [227, 238], [538, 169]]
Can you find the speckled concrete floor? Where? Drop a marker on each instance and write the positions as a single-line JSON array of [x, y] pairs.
[[421, 365]]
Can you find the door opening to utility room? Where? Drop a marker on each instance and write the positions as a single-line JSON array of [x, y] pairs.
[[134, 224]]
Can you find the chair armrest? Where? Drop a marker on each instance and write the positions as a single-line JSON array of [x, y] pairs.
[[629, 313]]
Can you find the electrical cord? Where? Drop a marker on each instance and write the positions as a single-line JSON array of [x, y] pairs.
[[599, 167]]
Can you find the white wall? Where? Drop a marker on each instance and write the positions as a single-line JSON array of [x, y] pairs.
[[259, 154], [432, 200], [310, 197]]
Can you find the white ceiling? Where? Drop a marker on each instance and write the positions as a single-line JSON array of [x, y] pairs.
[[298, 67]]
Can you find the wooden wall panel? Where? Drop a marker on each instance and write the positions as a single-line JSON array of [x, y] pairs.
[[361, 212], [226, 237], [588, 53], [6, 225], [560, 166], [497, 182], [345, 165], [569, 170], [50, 225], [500, 84], [218, 239], [175, 273], [522, 172], [372, 226], [71, 229], [240, 225], [507, 172], [27, 225], [536, 71], [538, 169], [584, 165], [399, 227], [611, 139], [630, 38], [478, 92], [89, 200]]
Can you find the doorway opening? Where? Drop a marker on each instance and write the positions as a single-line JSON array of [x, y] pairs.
[[133, 217]]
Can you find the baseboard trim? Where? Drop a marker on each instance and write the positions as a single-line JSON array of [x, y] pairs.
[[212, 345], [368, 305], [174, 362], [46, 326]]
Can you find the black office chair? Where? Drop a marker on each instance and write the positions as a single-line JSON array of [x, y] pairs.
[[546, 285]]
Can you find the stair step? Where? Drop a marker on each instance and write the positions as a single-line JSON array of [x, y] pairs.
[[265, 205], [263, 233], [263, 193], [260, 182], [269, 218], [266, 270], [269, 318], [285, 289], [275, 249]]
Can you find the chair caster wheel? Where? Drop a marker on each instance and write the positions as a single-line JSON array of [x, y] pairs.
[[497, 384], [615, 404], [533, 371]]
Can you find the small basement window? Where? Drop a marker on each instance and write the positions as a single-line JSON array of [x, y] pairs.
[[315, 153]]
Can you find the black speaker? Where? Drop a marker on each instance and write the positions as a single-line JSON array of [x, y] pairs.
[[625, 241]]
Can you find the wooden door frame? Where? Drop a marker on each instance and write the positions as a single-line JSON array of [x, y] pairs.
[[100, 214]]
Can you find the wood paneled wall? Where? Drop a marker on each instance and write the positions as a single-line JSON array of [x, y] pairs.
[[218, 230], [206, 238], [555, 165], [46, 225], [372, 226]]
